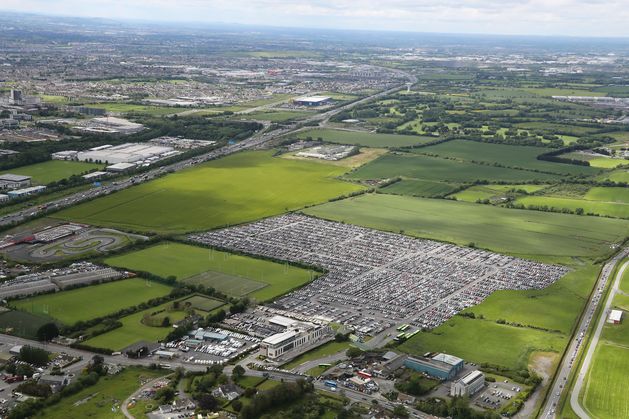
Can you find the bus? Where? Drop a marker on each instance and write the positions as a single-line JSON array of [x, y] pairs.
[[399, 337], [330, 383], [325, 365], [403, 327]]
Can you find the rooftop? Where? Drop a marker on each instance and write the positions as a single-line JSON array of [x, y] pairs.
[[279, 337], [448, 359], [14, 178]]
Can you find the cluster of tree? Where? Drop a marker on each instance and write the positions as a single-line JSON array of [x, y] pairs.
[[33, 388], [458, 408], [415, 384], [34, 356], [275, 397]]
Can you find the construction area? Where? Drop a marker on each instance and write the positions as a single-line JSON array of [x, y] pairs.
[[375, 279]]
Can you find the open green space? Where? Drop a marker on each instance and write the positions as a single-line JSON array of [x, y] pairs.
[[438, 169], [503, 345], [499, 229], [423, 188], [507, 155], [620, 175], [134, 329], [93, 301], [119, 107], [597, 161], [238, 188], [605, 394], [102, 400], [322, 351], [227, 272], [203, 303], [53, 170], [275, 116], [553, 308], [367, 139], [493, 192], [605, 201], [22, 324]]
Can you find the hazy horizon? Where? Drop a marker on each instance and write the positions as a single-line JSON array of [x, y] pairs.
[[580, 18]]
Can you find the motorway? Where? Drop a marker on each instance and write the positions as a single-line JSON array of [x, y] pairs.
[[585, 366], [257, 140], [561, 377]]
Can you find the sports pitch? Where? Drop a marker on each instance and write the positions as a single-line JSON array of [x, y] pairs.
[[499, 229], [93, 301], [232, 274], [235, 189]]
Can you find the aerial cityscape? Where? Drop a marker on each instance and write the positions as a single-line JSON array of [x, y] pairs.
[[314, 210]]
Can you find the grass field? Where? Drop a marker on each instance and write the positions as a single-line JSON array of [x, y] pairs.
[[22, 324], [134, 108], [71, 306], [242, 187], [437, 169], [102, 400], [499, 229], [233, 274], [502, 345], [422, 188], [596, 161], [366, 139], [324, 350], [53, 170], [605, 393], [507, 155], [133, 330], [606, 201], [620, 175], [491, 192], [274, 116], [203, 303]]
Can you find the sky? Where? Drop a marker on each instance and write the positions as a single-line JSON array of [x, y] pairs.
[[514, 17]]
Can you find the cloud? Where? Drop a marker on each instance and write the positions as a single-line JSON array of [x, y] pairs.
[[536, 17]]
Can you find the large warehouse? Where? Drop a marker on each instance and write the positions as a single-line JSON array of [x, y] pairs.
[[442, 366], [126, 153], [312, 100]]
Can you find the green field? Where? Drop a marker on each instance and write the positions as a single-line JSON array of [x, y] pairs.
[[322, 351], [554, 308], [53, 170], [503, 230], [102, 400], [423, 188], [507, 155], [620, 175], [134, 108], [366, 139], [599, 162], [612, 202], [437, 169], [233, 274], [203, 303], [133, 330], [503, 345], [605, 393], [79, 304], [238, 188], [274, 116], [22, 324], [492, 192]]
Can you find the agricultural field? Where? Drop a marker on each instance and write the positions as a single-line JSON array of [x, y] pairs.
[[232, 274], [620, 175], [506, 155], [134, 329], [366, 139], [493, 192], [605, 201], [501, 344], [53, 170], [235, 189], [102, 400], [598, 161], [499, 229], [437, 169], [422, 188], [75, 305]]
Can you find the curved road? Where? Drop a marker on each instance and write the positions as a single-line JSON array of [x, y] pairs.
[[585, 366], [561, 377]]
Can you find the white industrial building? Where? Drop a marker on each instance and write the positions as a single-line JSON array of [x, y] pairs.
[[108, 125], [615, 317], [11, 181], [126, 153], [297, 335], [469, 385], [26, 192]]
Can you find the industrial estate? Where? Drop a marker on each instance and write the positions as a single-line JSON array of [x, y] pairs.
[[202, 223]]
